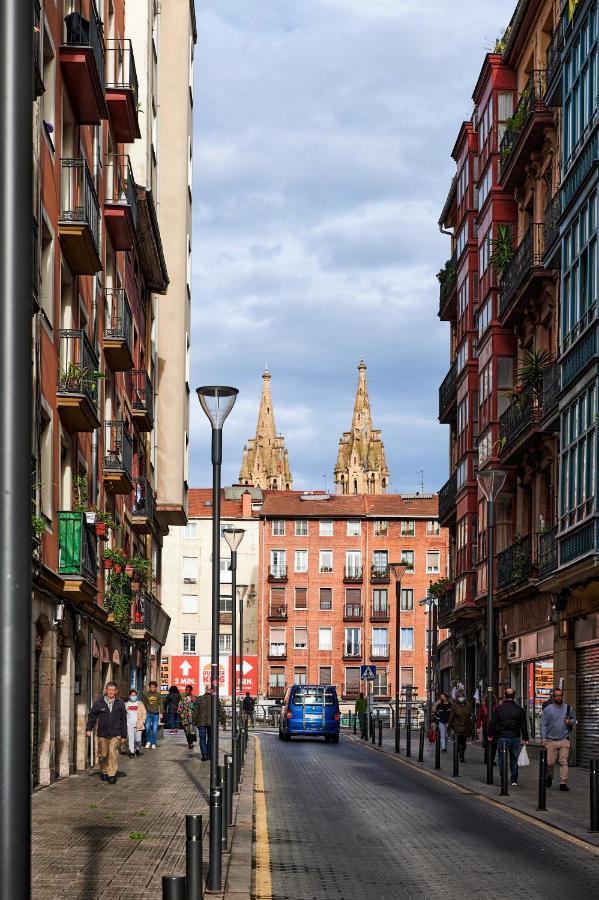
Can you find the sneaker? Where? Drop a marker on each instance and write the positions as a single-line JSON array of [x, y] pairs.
[[548, 781], [514, 784], [131, 755], [564, 787], [138, 753], [103, 776], [111, 779]]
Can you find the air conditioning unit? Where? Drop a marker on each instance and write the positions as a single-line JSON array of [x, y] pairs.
[[513, 649]]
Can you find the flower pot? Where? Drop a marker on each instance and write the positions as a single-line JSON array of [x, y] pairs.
[[101, 529], [129, 571], [107, 563], [90, 518], [117, 568]]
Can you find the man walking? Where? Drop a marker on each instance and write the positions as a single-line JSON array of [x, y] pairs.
[[248, 708], [152, 700], [203, 720], [557, 721], [186, 710], [482, 722], [508, 726], [111, 717], [460, 722], [361, 709]]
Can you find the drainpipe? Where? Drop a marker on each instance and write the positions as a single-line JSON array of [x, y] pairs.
[[443, 231]]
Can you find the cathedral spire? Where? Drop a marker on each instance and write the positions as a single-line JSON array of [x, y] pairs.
[[265, 463], [361, 465]]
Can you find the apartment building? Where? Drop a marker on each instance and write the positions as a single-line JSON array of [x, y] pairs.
[[327, 590], [100, 273]]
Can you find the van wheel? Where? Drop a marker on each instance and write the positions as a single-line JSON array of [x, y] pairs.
[[280, 734], [335, 738], [286, 736]]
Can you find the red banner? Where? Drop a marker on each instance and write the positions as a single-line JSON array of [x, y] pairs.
[[248, 681], [186, 670]]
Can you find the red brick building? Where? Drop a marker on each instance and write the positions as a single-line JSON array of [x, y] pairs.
[[327, 589]]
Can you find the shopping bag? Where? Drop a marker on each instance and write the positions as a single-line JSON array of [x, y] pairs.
[[523, 759], [432, 734]]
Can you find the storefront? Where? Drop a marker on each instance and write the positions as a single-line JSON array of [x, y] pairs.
[[530, 662], [586, 643]]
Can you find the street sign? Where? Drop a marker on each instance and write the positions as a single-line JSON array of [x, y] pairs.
[[165, 674], [367, 673], [186, 670], [249, 675], [224, 669]]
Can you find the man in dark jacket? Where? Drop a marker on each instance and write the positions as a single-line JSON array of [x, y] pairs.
[[508, 726], [111, 717], [203, 720], [460, 722]]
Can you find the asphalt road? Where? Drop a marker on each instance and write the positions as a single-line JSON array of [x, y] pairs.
[[347, 822]]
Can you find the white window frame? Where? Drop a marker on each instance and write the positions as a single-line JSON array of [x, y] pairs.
[[381, 527], [298, 523], [225, 651], [301, 628], [325, 569], [278, 528], [325, 528], [300, 555], [405, 554], [191, 531], [189, 600], [405, 630], [433, 570], [323, 630], [433, 527], [190, 578], [354, 527], [189, 638], [407, 527]]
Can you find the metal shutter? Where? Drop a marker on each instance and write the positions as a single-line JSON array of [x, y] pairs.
[[587, 704]]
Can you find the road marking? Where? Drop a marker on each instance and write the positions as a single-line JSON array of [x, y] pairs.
[[263, 873], [525, 817]]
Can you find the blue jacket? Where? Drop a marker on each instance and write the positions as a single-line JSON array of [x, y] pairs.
[[553, 726]]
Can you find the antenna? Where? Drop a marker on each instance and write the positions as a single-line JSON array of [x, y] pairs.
[[421, 473]]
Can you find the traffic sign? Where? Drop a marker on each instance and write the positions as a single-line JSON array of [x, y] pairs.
[[367, 673], [186, 670], [247, 680]]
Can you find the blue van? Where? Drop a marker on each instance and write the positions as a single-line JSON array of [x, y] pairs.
[[310, 709]]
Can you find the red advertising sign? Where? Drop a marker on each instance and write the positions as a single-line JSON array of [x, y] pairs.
[[186, 670], [223, 675], [248, 679]]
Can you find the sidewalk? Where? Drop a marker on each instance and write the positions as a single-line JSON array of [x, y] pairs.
[[569, 812], [96, 840]]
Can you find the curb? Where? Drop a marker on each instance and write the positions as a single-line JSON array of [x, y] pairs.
[[238, 878]]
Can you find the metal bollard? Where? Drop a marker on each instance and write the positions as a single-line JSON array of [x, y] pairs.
[[542, 804], [235, 759], [594, 795], [229, 804], [409, 733], [504, 762], [355, 723], [224, 788], [380, 722], [194, 885], [397, 736], [489, 752], [238, 773], [214, 841], [437, 749], [456, 761], [372, 730], [173, 887], [421, 744]]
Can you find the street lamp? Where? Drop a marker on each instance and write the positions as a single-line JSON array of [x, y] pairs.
[[490, 482], [429, 603], [242, 590], [398, 572], [234, 537], [217, 402]]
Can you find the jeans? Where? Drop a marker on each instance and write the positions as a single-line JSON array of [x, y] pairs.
[[512, 746], [151, 728], [204, 731], [443, 734]]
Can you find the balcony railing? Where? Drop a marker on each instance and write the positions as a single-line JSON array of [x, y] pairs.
[[446, 606], [140, 392], [143, 503], [277, 573], [551, 387], [352, 612], [118, 448], [531, 101], [278, 612], [353, 575], [521, 416], [448, 388], [528, 255], [515, 564], [575, 360], [447, 496], [352, 651], [275, 691], [148, 615], [380, 613], [380, 575], [447, 281], [379, 651], [578, 170], [78, 373], [79, 201], [120, 184], [554, 57], [76, 547], [351, 690], [86, 32], [547, 553], [118, 325], [553, 212], [121, 72], [277, 651]]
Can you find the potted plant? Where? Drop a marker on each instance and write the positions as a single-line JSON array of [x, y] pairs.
[[129, 569], [37, 527], [529, 377], [108, 561], [118, 600], [141, 567], [104, 524], [503, 249], [118, 560]]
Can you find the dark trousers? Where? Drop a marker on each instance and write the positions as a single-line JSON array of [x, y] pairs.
[[363, 720], [204, 731], [461, 739], [487, 744], [510, 745]]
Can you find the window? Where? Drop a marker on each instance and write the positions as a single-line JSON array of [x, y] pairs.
[[326, 598], [300, 638], [226, 575], [301, 560], [407, 638], [353, 601], [463, 415], [47, 272], [325, 528], [485, 316], [380, 641], [462, 355], [407, 676], [276, 678], [432, 527], [463, 298], [189, 603], [408, 527], [352, 679], [353, 642], [484, 253], [462, 239], [299, 675], [191, 531], [46, 463], [462, 185], [354, 528], [380, 561], [278, 563], [301, 598], [324, 675], [353, 563], [48, 97], [190, 569], [485, 447], [380, 602], [326, 560], [381, 527], [225, 602], [407, 559], [485, 185], [301, 527], [485, 383], [407, 598], [224, 643], [325, 638], [277, 646], [433, 563], [505, 110], [579, 304], [278, 527], [189, 643], [578, 458]]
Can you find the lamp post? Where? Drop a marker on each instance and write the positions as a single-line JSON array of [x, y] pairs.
[[490, 482], [234, 537], [242, 590], [217, 402], [398, 571], [429, 604]]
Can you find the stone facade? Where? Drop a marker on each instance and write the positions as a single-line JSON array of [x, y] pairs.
[[265, 463]]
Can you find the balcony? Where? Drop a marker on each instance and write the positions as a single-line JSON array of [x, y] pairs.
[[277, 613], [353, 612], [518, 422], [583, 542], [275, 691], [277, 574], [38, 81], [448, 395], [81, 57], [547, 553], [77, 390], [118, 330], [578, 357], [447, 500], [77, 561], [380, 575], [79, 221], [353, 575], [525, 131], [447, 290], [579, 169], [120, 205], [551, 391], [142, 506], [140, 394], [149, 619], [379, 651], [552, 246], [515, 564], [352, 651], [380, 614], [351, 691], [122, 91], [553, 92], [277, 651], [446, 608], [525, 274], [118, 458]]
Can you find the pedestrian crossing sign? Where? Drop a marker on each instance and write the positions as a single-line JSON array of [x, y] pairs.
[[367, 673]]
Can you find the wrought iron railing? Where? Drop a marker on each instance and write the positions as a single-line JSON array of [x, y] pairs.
[[551, 386], [277, 650], [380, 613], [120, 67], [515, 563], [275, 691], [553, 212], [81, 31], [78, 372], [278, 611], [379, 651], [352, 611], [521, 415], [278, 572], [547, 552], [447, 495], [448, 387], [76, 546], [352, 651], [582, 353], [118, 447], [143, 502], [351, 690], [578, 170], [446, 606], [528, 255], [79, 201], [531, 101], [119, 320], [352, 574], [140, 391], [380, 574], [381, 688], [447, 280], [120, 183], [148, 615], [554, 51]]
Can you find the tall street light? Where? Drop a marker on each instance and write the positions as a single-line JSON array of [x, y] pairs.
[[490, 482], [234, 537], [398, 572], [217, 402], [429, 603], [242, 590]]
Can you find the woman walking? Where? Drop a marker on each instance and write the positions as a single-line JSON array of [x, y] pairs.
[[171, 707], [441, 712]]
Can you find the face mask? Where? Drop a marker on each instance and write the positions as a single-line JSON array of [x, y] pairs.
[[133, 696], [461, 699]]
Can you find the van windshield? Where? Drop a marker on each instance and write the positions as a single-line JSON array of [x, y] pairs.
[[314, 697]]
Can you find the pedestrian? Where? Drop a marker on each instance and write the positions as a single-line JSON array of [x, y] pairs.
[[136, 717], [186, 710], [460, 722], [482, 724], [248, 706], [171, 706], [557, 723], [441, 711], [110, 715], [361, 708], [152, 701], [509, 728], [203, 720]]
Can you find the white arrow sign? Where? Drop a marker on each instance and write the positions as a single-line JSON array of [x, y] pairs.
[[185, 668], [247, 667]]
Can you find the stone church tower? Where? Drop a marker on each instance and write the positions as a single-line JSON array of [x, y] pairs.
[[361, 465], [265, 463]]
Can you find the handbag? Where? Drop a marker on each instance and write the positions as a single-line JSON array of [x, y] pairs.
[[523, 759], [432, 734]]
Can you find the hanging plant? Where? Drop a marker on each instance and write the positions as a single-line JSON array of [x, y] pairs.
[[529, 377], [118, 599], [503, 249], [440, 587], [141, 567], [129, 570], [37, 526], [104, 524]]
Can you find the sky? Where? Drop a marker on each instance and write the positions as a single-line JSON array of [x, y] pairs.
[[322, 138]]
